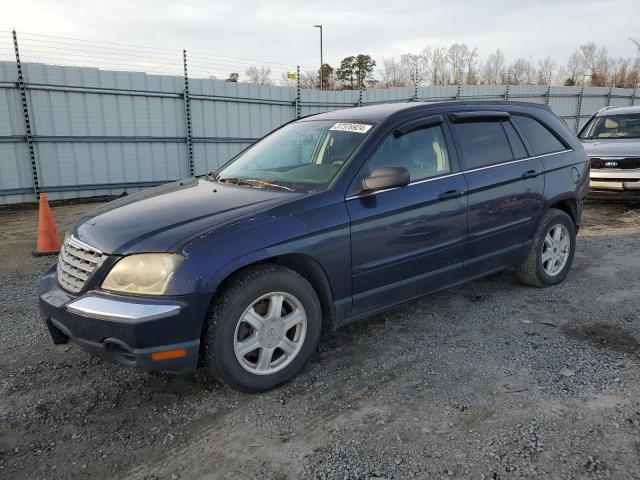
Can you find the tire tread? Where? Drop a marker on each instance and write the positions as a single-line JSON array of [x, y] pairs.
[[527, 270]]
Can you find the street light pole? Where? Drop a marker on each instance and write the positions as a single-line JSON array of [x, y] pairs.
[[321, 61]]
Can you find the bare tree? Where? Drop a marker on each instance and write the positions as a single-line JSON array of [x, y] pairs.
[[595, 63], [259, 75], [436, 62], [546, 69], [521, 71], [493, 69], [574, 70], [472, 75], [588, 65], [634, 76], [392, 73], [461, 61], [309, 80], [413, 68], [457, 55]]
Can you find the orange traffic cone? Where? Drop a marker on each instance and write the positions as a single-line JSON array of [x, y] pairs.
[[48, 236]]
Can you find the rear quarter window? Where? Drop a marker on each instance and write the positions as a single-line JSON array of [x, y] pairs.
[[539, 138]]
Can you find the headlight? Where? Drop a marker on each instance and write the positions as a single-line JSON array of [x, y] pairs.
[[143, 273]]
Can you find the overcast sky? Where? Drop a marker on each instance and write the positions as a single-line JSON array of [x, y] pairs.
[[282, 31]]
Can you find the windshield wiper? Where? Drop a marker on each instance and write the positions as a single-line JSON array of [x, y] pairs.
[[271, 184], [235, 181], [252, 182]]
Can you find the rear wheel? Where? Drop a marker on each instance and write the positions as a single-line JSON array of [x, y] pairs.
[[550, 255], [262, 329]]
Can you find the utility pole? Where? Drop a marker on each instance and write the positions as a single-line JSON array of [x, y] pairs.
[[321, 60]]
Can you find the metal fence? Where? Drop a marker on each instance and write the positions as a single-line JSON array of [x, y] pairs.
[[77, 132]]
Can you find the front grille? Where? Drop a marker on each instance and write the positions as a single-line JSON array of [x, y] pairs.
[[625, 163], [76, 263], [616, 180]]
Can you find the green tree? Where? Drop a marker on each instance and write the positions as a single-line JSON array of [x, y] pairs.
[[355, 71], [364, 65], [233, 77], [346, 72], [327, 74]]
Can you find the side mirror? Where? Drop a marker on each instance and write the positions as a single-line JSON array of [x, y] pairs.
[[385, 177]]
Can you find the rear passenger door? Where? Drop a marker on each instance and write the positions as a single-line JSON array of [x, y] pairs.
[[505, 189]]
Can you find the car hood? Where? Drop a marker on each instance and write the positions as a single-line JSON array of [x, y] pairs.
[[622, 147], [157, 219]]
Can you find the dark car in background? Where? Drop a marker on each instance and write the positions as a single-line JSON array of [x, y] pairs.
[[324, 221], [611, 139]]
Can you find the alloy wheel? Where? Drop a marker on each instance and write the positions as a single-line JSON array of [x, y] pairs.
[[270, 333], [555, 250]]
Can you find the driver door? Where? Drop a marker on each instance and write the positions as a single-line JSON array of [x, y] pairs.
[[410, 240]]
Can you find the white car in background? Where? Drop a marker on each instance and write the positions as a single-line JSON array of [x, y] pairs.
[[611, 139]]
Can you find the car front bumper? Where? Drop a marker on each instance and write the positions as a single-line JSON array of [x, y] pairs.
[[157, 334], [611, 180]]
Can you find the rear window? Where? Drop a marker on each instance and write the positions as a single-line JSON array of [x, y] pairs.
[[483, 143], [540, 139]]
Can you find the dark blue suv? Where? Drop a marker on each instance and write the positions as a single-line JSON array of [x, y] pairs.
[[326, 220]]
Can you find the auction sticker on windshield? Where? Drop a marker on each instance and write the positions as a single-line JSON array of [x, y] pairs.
[[351, 127]]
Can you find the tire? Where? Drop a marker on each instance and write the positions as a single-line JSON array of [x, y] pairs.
[[539, 272], [246, 314]]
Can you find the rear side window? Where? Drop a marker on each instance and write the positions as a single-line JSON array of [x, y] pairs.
[[483, 143], [540, 139]]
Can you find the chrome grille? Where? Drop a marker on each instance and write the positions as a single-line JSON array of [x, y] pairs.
[[626, 163], [76, 263]]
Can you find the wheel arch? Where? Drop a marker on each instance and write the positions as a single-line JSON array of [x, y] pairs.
[[569, 205], [306, 266]]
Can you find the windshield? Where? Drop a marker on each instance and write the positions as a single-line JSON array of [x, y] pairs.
[[613, 126], [302, 156]]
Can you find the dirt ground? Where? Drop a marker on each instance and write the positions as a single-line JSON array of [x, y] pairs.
[[491, 380]]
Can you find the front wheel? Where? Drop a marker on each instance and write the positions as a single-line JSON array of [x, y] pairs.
[[550, 255], [262, 329]]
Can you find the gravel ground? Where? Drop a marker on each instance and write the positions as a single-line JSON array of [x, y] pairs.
[[491, 380]]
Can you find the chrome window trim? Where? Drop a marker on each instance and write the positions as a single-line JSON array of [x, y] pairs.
[[424, 180], [120, 311]]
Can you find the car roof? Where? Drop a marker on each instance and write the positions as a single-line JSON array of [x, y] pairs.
[[618, 110], [380, 112]]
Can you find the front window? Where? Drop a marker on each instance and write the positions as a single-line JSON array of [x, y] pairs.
[[301, 156], [422, 152], [613, 126]]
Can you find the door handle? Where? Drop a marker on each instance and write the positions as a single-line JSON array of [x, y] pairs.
[[530, 174], [450, 194]]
